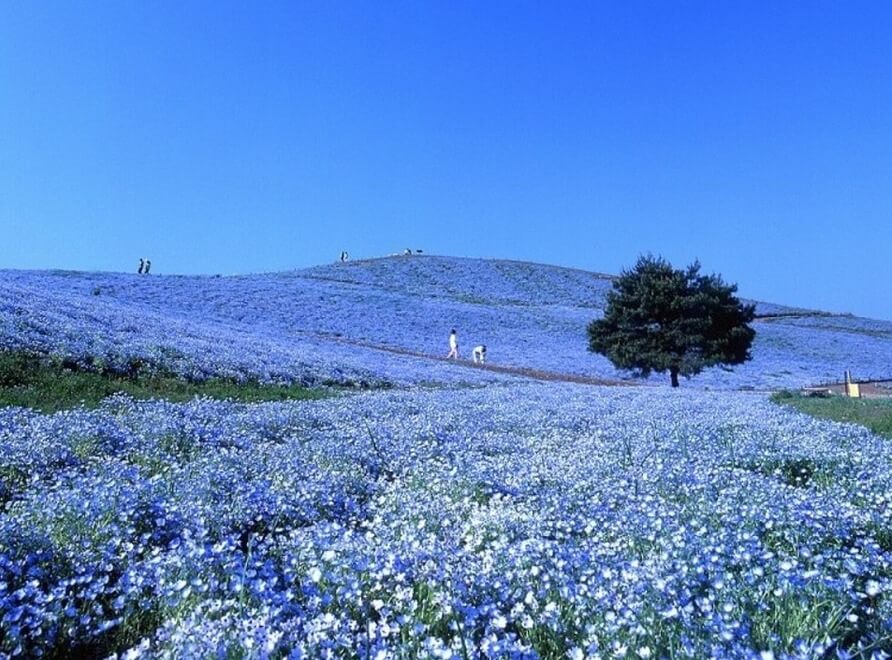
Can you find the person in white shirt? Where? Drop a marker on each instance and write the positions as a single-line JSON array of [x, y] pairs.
[[480, 354], [453, 345]]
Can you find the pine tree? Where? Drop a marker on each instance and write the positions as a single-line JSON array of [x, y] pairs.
[[659, 319]]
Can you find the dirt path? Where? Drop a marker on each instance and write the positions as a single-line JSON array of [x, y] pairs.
[[525, 372]]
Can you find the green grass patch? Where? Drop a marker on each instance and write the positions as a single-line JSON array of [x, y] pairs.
[[875, 414], [34, 382]]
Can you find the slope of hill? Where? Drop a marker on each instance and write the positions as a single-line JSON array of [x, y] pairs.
[[327, 324]]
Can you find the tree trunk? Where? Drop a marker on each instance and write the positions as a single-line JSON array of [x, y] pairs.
[[673, 373]]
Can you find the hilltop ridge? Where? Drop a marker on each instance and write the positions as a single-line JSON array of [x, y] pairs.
[[497, 280], [385, 320]]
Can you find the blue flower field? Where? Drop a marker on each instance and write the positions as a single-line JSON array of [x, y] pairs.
[[440, 511], [328, 324]]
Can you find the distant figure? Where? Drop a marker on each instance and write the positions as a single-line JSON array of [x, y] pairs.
[[148, 266], [453, 345], [142, 265], [345, 256], [480, 354], [407, 252]]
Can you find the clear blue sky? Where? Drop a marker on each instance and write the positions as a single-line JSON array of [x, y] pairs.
[[219, 137]]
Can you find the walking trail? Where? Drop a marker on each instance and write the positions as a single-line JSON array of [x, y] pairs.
[[525, 372]]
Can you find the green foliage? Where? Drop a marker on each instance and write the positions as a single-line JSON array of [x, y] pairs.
[[660, 319], [16, 369], [875, 414], [48, 385]]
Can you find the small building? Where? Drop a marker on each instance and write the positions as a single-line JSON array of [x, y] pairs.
[[871, 388]]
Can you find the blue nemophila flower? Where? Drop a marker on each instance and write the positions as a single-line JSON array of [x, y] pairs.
[[304, 327], [535, 521]]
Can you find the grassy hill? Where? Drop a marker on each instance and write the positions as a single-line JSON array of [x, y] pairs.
[[326, 324]]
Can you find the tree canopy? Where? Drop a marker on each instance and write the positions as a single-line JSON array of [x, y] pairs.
[[661, 319]]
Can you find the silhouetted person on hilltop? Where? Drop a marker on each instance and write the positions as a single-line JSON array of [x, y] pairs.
[[142, 265], [453, 345], [148, 266]]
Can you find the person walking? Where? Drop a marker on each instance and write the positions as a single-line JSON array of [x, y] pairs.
[[453, 345], [142, 265], [148, 266]]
